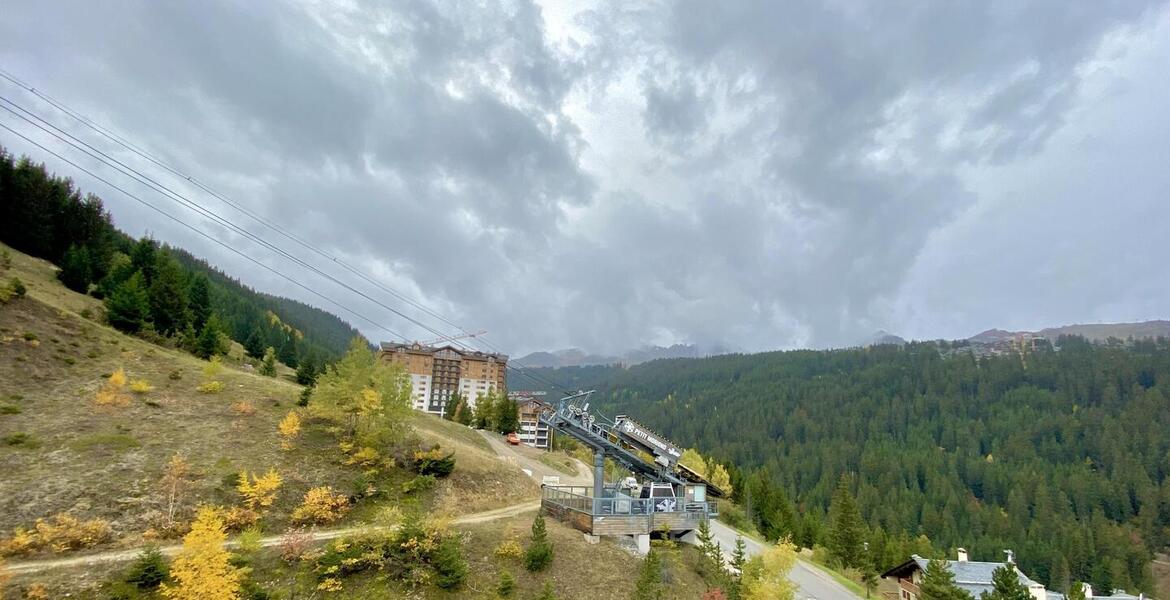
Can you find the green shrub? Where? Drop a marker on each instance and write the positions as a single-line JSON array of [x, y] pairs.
[[418, 484], [175, 375], [9, 409], [434, 462], [150, 569], [735, 517], [21, 439], [30, 336], [118, 442], [305, 395], [449, 564], [120, 590], [507, 584], [16, 286]]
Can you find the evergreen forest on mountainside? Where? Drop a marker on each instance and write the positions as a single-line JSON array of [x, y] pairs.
[[157, 292], [1061, 454]]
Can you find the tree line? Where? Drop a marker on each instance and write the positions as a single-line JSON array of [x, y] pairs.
[[1061, 454], [152, 290]]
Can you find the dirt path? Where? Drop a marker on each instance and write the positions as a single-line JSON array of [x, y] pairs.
[[528, 459], [115, 556]]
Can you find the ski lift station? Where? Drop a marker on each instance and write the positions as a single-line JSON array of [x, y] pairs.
[[662, 496]]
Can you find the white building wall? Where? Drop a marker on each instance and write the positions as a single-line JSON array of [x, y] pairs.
[[472, 389], [420, 391]]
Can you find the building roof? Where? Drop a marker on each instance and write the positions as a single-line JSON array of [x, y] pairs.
[[970, 575], [417, 348], [975, 578]]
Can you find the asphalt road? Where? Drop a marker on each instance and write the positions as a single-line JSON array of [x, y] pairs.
[[813, 584]]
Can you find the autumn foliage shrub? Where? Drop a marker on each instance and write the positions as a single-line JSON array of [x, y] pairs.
[[60, 533], [243, 408], [321, 505], [210, 387], [141, 386], [260, 491], [113, 391], [290, 428]]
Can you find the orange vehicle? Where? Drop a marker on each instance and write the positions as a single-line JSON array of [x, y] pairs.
[[513, 439]]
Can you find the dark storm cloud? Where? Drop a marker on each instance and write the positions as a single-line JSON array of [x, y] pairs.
[[753, 174]]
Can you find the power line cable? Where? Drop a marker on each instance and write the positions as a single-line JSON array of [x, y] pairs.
[[196, 230], [173, 195]]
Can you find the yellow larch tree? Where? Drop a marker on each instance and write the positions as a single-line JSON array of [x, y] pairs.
[[202, 570], [113, 391], [766, 576], [290, 428], [260, 492]]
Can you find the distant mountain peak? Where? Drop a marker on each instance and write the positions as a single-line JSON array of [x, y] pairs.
[[575, 357], [882, 337]]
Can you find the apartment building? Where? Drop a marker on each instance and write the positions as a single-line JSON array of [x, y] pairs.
[[438, 372], [532, 431]]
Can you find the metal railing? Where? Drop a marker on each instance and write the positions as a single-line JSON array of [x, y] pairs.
[[578, 498]]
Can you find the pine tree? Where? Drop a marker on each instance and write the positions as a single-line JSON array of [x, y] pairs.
[[168, 296], [506, 586], [144, 258], [128, 307], [306, 372], [649, 583], [208, 343], [203, 570], [1006, 585], [846, 528], [709, 549], [739, 555], [199, 301], [254, 344], [75, 269], [540, 552], [288, 351], [449, 563], [149, 569], [1076, 591], [268, 364], [507, 414], [938, 583], [452, 405], [547, 593]]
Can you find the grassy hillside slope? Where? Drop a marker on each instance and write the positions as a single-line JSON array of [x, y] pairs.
[[62, 453]]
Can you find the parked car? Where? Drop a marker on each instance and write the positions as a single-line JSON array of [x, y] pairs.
[[513, 439]]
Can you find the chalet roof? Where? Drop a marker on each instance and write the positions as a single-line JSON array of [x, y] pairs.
[[971, 575], [975, 577]]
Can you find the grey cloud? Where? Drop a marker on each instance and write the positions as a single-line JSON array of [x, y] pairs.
[[753, 174]]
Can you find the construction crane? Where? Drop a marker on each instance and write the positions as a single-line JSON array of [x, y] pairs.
[[452, 338]]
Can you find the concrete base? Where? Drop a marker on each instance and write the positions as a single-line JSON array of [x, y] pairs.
[[643, 542], [592, 539], [688, 537]]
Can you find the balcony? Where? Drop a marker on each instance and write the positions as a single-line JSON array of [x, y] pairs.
[[618, 514]]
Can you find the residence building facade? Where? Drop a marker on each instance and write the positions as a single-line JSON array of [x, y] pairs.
[[975, 577], [439, 372]]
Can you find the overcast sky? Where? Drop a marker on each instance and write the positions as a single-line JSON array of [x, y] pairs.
[[606, 175]]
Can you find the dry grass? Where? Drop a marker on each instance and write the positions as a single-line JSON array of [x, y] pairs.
[[480, 481], [106, 461]]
